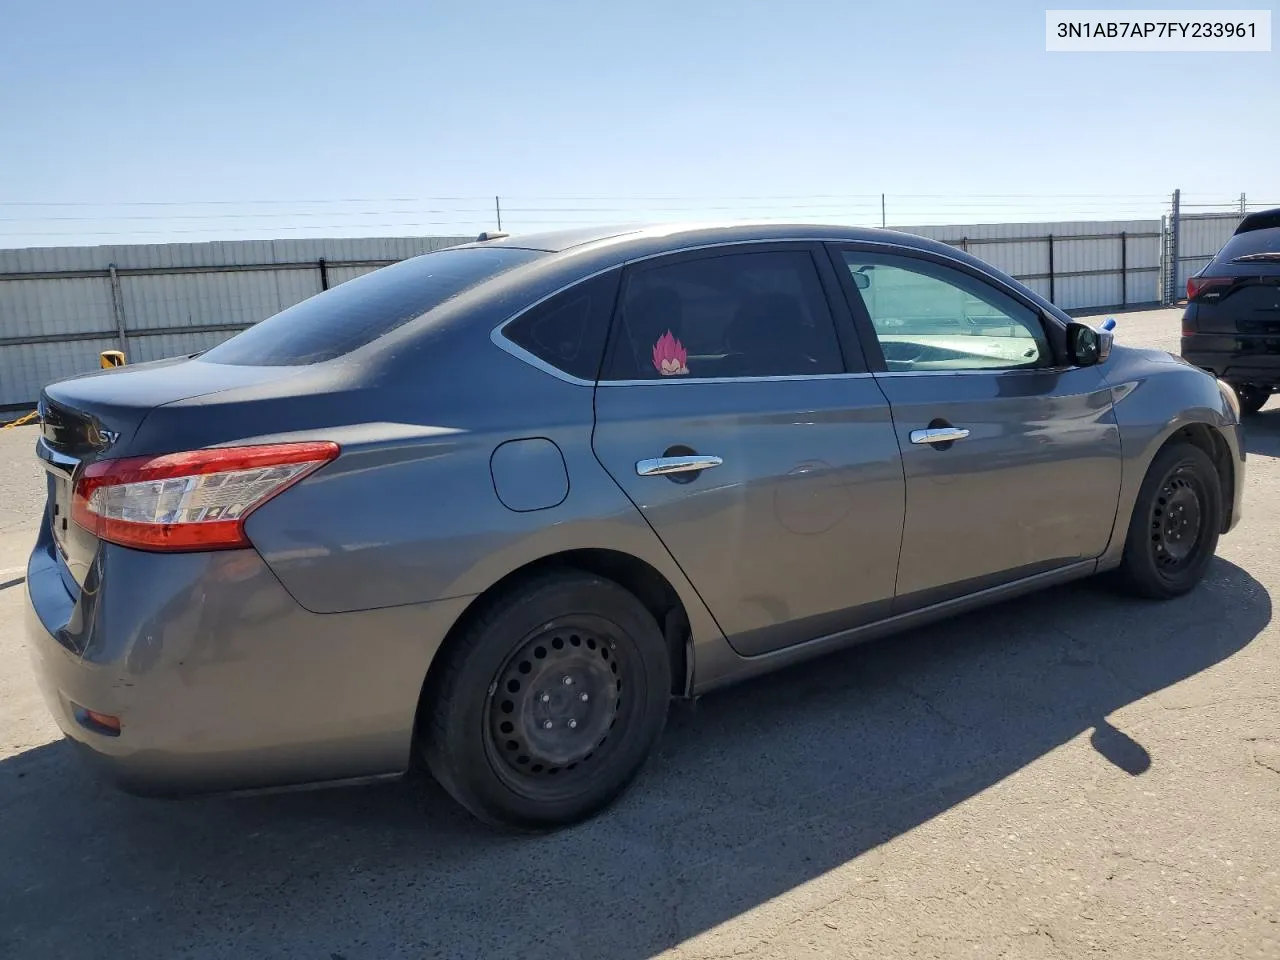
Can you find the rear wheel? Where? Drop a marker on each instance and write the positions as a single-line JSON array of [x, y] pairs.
[[546, 708], [1252, 399], [1176, 520]]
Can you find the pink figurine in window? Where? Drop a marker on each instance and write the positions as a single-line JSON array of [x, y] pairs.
[[669, 356]]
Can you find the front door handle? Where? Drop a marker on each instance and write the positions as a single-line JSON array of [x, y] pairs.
[[939, 435], [662, 466]]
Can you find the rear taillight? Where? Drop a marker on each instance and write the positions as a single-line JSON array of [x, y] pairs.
[[1212, 287], [197, 500]]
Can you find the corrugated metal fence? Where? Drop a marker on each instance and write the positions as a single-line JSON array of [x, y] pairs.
[[1077, 265], [61, 306], [1200, 237]]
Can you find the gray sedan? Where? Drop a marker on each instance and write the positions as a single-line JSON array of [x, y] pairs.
[[491, 508]]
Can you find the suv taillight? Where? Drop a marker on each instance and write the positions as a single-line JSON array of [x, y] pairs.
[[197, 500], [1207, 286]]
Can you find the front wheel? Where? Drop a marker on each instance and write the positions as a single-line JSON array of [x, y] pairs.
[[1174, 529], [545, 709]]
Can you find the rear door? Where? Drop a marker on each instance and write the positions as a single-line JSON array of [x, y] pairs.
[[1021, 474], [761, 453]]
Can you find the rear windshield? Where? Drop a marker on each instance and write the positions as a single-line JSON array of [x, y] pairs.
[[1253, 242], [359, 311]]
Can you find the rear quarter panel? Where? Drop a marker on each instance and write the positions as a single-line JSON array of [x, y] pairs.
[[1156, 395], [409, 511]]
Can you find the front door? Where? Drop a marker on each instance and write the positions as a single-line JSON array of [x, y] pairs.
[[761, 454], [1011, 457]]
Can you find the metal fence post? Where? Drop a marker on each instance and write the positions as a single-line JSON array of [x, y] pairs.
[[324, 273], [1162, 278], [117, 308], [1124, 268], [1175, 225], [1051, 299]]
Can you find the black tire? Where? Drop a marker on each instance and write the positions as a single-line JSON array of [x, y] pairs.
[[567, 648], [1175, 525], [1252, 399]]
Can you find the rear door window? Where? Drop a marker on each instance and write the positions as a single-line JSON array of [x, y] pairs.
[[725, 316], [360, 311]]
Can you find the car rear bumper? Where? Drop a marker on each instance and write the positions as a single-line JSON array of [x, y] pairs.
[[1236, 358], [219, 679]]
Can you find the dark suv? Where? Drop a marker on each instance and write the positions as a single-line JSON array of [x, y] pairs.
[[1232, 323]]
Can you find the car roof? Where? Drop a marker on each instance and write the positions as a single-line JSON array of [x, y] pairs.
[[1259, 220], [629, 241], [553, 241], [572, 255]]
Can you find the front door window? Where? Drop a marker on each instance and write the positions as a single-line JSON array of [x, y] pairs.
[[929, 317]]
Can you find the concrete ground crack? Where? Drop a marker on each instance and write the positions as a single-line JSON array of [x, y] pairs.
[[806, 914], [1266, 753], [929, 706], [746, 952], [1042, 931], [1264, 697], [823, 907], [1078, 646]]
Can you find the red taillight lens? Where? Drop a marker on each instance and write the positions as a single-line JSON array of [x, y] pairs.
[[1199, 286], [197, 500]]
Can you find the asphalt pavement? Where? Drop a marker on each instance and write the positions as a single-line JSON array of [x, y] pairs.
[[1072, 774]]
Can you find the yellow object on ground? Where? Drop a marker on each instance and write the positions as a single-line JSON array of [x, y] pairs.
[[21, 420]]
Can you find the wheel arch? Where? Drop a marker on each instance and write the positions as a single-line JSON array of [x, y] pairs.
[[1209, 439], [635, 575], [1204, 433]]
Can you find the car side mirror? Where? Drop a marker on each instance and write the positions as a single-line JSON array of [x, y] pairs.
[[1087, 346], [861, 280]]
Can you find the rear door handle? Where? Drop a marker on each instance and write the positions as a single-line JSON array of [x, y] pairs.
[[939, 435], [662, 466]]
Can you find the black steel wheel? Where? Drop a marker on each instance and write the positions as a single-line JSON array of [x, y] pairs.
[[555, 703], [1176, 520], [545, 707]]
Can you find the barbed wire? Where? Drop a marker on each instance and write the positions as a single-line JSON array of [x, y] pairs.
[[573, 197], [466, 214]]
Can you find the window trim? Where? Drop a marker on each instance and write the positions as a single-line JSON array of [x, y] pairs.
[[780, 378], [1053, 330], [853, 365], [498, 335], [840, 306]]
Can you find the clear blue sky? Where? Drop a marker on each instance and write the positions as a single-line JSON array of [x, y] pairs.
[[365, 116]]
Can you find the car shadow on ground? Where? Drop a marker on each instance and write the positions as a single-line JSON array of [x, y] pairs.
[[758, 789], [1262, 431]]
